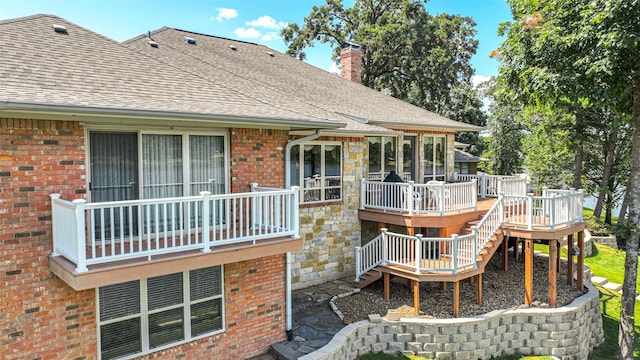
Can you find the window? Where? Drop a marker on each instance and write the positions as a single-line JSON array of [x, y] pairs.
[[133, 165], [317, 169], [141, 316], [382, 156], [172, 165], [461, 168], [434, 158]]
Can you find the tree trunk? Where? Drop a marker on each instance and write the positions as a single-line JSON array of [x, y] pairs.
[[626, 335], [579, 153], [609, 154], [623, 207]]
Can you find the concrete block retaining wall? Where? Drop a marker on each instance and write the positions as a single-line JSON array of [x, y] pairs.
[[568, 332]]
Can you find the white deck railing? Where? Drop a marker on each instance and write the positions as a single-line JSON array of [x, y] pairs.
[[422, 255], [557, 208], [416, 253], [434, 197], [94, 233], [492, 185]]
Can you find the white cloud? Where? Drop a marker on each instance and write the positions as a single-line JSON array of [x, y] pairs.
[[225, 14], [479, 79], [244, 33], [334, 69], [271, 36], [266, 21]]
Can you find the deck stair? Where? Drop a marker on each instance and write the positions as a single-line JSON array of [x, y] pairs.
[[368, 278]]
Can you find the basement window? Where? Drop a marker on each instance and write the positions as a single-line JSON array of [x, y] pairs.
[[142, 316]]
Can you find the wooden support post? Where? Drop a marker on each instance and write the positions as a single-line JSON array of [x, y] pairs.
[[570, 259], [558, 257], [528, 272], [580, 267], [387, 290], [416, 297], [411, 231], [553, 271], [443, 286], [505, 253], [456, 298], [479, 288]]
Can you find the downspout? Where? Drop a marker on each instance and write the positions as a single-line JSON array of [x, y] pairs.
[[287, 182]]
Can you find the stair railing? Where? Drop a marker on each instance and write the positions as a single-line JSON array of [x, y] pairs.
[[489, 225], [370, 255]]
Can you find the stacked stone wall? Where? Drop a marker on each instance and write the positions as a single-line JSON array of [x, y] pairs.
[[331, 231], [568, 332]]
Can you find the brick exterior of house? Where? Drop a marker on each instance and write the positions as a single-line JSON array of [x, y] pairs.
[[44, 318]]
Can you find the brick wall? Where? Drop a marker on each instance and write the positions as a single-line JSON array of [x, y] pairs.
[[43, 318], [257, 155]]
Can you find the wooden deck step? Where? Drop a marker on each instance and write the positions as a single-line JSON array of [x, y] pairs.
[[368, 278]]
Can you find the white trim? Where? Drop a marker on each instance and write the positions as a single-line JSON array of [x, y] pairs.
[[322, 177]]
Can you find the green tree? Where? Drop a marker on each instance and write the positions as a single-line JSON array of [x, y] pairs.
[[505, 131], [406, 51], [584, 52]]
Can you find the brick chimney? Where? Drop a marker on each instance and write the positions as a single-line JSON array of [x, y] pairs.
[[351, 62]]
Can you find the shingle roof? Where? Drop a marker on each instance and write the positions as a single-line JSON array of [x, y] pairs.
[[308, 84], [463, 156], [40, 68], [88, 73]]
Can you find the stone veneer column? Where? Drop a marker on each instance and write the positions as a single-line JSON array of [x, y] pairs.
[[331, 230]]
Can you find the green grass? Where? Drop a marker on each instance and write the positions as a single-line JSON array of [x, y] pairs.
[[604, 261], [589, 212], [610, 309]]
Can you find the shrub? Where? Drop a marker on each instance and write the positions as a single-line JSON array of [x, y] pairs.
[[596, 227]]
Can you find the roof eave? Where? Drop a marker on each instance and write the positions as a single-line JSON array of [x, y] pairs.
[[83, 113], [413, 126]]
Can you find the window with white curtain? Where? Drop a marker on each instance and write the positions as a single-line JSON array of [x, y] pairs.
[[135, 165], [141, 316], [172, 165]]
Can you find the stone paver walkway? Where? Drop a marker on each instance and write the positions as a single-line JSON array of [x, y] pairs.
[[314, 322]]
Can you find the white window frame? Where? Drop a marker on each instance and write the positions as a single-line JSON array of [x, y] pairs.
[[434, 176], [380, 175], [321, 179], [144, 316], [186, 176]]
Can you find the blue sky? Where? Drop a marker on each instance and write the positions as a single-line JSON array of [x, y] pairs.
[[250, 20]]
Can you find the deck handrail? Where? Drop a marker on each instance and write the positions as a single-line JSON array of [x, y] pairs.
[[413, 252], [434, 197], [368, 256], [492, 185], [93, 233]]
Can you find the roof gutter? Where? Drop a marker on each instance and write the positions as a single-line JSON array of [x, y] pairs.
[[105, 112]]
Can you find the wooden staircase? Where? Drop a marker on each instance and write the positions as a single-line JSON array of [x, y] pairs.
[[368, 278], [491, 247]]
